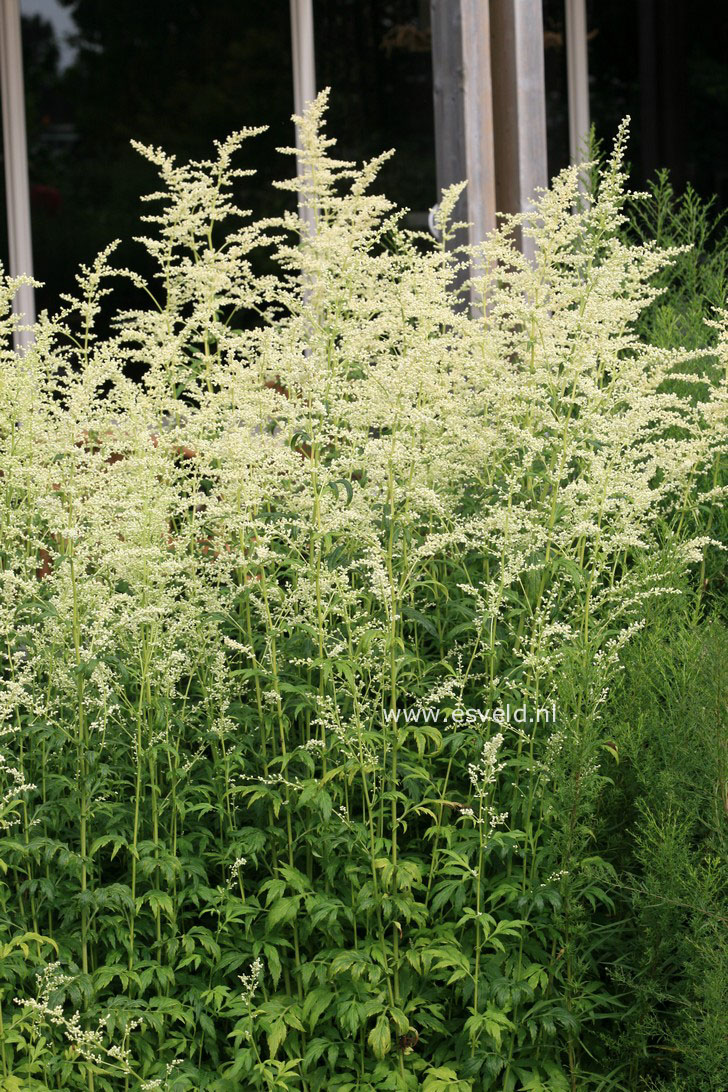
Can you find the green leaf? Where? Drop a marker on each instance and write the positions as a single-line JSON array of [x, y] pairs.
[[380, 1037], [274, 962], [276, 1035], [23, 942], [333, 486], [107, 839], [105, 975], [316, 1004], [283, 910], [11, 1084], [422, 620], [444, 1079], [400, 1021]]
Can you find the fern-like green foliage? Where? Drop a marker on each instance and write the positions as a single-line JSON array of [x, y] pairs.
[[665, 821]]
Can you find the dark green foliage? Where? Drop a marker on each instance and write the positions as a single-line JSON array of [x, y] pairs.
[[694, 286], [664, 821], [664, 825], [696, 282]]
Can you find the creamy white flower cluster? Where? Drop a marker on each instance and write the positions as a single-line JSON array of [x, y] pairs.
[[251, 980], [90, 1043]]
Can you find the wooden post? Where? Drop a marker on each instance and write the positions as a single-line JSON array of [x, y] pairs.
[[463, 108], [304, 78], [478, 108], [577, 75], [17, 189], [519, 104]]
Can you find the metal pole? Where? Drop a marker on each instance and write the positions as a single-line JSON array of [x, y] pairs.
[[577, 73], [304, 80], [16, 165]]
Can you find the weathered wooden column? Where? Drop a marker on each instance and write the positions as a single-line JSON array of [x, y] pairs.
[[304, 77], [519, 104], [461, 44], [577, 75], [17, 188], [490, 104]]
